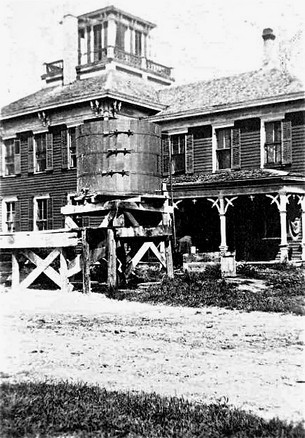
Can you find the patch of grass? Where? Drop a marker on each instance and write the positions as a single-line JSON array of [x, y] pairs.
[[285, 294], [79, 410]]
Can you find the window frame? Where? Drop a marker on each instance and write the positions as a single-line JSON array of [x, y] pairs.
[[35, 212], [180, 154], [36, 136], [72, 157], [15, 156], [278, 145], [5, 202], [224, 149]]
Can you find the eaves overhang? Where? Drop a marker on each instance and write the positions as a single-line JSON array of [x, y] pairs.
[[121, 96], [287, 184], [227, 107]]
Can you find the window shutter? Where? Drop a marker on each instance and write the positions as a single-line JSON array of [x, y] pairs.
[[165, 144], [235, 148], [50, 214], [30, 154], [85, 221], [17, 157], [189, 154], [31, 214], [286, 143], [18, 216], [64, 149], [49, 147]]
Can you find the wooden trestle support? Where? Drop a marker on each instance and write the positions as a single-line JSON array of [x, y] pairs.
[[26, 248], [127, 228]]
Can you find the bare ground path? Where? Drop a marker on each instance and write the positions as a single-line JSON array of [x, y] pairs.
[[255, 359]]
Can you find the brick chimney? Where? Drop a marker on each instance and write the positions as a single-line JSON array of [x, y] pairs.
[[70, 48], [270, 59]]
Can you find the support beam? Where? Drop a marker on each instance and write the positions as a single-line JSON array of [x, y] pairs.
[[64, 273], [15, 271], [112, 261], [86, 263], [169, 259]]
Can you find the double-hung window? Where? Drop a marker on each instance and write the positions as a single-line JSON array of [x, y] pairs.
[[10, 215], [228, 148], [40, 152], [277, 143], [68, 148], [178, 153], [11, 153], [43, 219]]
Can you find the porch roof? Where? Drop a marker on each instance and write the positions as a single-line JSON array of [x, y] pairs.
[[254, 181]]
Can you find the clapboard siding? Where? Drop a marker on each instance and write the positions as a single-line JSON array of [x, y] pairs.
[[250, 150], [57, 184], [203, 155], [298, 149]]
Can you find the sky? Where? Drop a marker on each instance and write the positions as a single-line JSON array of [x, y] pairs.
[[200, 39]]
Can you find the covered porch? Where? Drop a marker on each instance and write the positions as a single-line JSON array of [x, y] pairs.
[[258, 215]]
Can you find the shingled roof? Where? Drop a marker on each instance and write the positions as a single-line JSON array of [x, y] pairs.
[[234, 176], [109, 82], [242, 88]]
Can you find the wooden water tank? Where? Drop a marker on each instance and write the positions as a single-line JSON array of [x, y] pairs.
[[119, 157]]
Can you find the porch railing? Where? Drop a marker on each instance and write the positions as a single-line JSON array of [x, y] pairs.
[[129, 58], [158, 68]]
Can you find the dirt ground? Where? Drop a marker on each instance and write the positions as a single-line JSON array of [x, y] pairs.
[[254, 359]]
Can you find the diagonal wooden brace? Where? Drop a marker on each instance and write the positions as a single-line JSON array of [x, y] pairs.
[[42, 266]]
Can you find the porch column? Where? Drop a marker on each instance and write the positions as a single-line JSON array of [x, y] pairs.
[[302, 203], [222, 204], [223, 226], [281, 200], [283, 215]]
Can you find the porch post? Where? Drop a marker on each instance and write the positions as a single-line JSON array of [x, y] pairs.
[[281, 200], [283, 216], [302, 203], [222, 204], [223, 226]]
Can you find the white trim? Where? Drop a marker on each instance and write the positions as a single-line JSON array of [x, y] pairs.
[[177, 132], [222, 125], [273, 118], [40, 131], [73, 124], [9, 137]]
